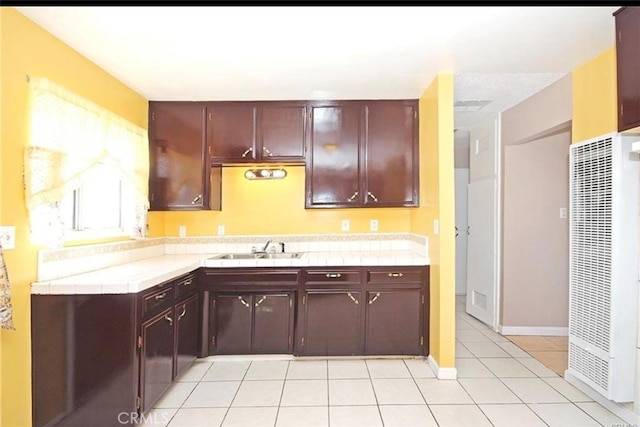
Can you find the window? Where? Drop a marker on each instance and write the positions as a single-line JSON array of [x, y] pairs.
[[86, 169], [96, 206]]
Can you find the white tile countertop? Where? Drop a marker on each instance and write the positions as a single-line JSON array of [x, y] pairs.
[[136, 276]]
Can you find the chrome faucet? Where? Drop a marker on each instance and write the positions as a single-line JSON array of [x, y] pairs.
[[266, 246]]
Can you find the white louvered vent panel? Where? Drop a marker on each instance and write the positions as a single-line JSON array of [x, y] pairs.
[[603, 264], [591, 245]]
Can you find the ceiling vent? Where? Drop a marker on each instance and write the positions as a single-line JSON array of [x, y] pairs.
[[470, 106]]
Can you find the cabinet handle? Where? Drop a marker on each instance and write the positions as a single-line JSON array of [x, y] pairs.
[[187, 282], [261, 300], [352, 298], [243, 302], [266, 150], [370, 194], [353, 196], [168, 319], [247, 151], [161, 296], [395, 274], [375, 297], [333, 275], [196, 199], [184, 311]]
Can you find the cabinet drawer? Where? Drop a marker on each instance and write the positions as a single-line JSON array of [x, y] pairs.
[[333, 275], [185, 286], [259, 278], [157, 298], [395, 275]]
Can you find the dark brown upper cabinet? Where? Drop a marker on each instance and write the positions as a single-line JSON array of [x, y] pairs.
[[362, 154], [257, 132], [628, 63], [180, 177]]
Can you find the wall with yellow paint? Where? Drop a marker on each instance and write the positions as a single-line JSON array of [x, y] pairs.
[[595, 97], [273, 207], [437, 186], [27, 49]]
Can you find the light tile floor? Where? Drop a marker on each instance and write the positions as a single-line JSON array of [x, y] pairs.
[[498, 385]]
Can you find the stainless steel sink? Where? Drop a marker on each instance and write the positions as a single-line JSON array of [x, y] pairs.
[[235, 256], [289, 255], [259, 255]]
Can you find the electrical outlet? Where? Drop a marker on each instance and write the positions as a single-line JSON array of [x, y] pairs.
[[373, 225], [345, 225], [436, 226], [563, 212], [8, 237], [182, 231], [221, 230]]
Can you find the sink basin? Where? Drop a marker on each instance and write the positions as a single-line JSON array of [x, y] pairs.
[[285, 255], [236, 256], [260, 255]]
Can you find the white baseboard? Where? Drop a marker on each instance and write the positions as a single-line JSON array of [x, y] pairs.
[[619, 410], [442, 373], [534, 330]]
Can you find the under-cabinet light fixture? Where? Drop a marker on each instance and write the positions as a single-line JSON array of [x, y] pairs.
[[265, 173]]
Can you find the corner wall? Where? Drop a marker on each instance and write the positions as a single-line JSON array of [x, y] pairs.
[[535, 137], [595, 97], [437, 193]]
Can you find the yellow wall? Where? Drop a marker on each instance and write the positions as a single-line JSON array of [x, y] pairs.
[[595, 97], [273, 207], [26, 49], [437, 187], [1, 14]]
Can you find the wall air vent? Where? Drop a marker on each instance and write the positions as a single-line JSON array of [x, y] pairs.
[[603, 271], [470, 106]]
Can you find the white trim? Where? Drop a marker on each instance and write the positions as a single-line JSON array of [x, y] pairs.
[[618, 409], [442, 373], [535, 330]]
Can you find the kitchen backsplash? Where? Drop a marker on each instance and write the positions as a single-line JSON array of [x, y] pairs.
[[63, 262]]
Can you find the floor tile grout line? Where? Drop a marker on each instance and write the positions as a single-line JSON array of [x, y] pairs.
[[284, 384], [375, 396]]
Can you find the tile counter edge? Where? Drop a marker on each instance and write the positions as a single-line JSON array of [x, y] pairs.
[[134, 277]]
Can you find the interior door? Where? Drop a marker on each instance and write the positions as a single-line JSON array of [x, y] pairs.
[[462, 184], [482, 246], [483, 219]]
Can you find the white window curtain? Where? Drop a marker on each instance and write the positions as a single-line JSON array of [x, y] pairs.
[[69, 135]]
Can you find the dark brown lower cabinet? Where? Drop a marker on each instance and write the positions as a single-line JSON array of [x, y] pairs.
[[84, 359], [272, 323], [188, 319], [156, 358], [101, 360], [394, 322], [232, 327], [332, 322], [252, 323]]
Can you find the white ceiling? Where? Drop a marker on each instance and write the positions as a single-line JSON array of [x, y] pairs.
[[498, 54]]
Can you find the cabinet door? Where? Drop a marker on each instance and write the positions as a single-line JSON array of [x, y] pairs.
[[393, 322], [187, 319], [232, 328], [232, 131], [272, 323], [332, 174], [179, 172], [390, 166], [628, 64], [282, 131], [332, 323], [156, 361]]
